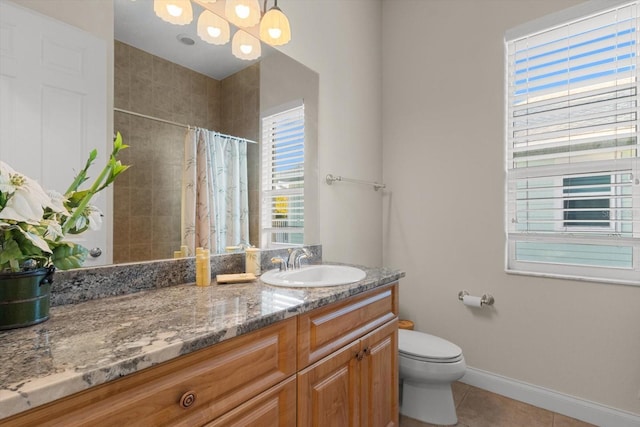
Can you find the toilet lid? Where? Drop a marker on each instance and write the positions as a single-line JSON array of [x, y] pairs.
[[425, 346]]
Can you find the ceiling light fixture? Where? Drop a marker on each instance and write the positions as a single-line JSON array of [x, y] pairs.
[[245, 46], [178, 12], [274, 27], [213, 29]]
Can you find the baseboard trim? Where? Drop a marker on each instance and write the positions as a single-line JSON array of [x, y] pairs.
[[551, 400]]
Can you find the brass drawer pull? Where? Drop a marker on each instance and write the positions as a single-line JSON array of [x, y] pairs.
[[188, 399], [361, 354]]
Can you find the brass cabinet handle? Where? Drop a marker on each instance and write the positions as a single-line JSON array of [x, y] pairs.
[[188, 399], [361, 354]]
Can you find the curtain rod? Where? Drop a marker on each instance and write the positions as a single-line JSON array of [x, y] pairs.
[[169, 122]]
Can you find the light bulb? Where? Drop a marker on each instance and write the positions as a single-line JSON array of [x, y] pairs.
[[245, 46], [212, 28], [275, 33], [178, 12], [242, 11], [174, 10]]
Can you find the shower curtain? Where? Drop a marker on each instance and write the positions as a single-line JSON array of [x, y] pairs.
[[215, 203]]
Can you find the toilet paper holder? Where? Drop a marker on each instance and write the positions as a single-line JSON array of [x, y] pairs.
[[486, 299]]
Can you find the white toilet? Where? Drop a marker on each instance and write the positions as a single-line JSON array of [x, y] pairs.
[[428, 366]]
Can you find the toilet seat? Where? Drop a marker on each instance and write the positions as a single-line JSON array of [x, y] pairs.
[[427, 348]]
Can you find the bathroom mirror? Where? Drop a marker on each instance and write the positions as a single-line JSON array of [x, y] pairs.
[[164, 71], [146, 203]]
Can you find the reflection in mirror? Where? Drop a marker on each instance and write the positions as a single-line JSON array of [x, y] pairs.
[[182, 87]]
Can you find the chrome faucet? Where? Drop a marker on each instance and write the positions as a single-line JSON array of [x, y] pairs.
[[293, 261], [296, 255], [280, 261]]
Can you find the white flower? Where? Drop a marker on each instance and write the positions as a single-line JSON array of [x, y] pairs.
[[95, 218], [91, 217], [26, 198], [57, 202], [5, 179], [54, 230]]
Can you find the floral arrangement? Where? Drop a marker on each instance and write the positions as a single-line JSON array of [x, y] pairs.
[[34, 223]]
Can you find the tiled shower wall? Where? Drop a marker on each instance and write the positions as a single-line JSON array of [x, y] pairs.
[[147, 197]]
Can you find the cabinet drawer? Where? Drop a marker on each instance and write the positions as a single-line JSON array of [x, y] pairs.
[[326, 329], [275, 407], [189, 391]]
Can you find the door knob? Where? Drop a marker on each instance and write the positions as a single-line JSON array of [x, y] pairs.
[[95, 252]]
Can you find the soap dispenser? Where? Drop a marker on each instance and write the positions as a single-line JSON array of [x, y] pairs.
[[252, 260], [203, 267]]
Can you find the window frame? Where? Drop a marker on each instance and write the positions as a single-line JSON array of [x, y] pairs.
[[514, 234], [268, 194]]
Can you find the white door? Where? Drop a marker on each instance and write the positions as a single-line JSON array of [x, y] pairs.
[[53, 89]]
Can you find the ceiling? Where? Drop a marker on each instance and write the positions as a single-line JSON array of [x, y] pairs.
[[137, 25]]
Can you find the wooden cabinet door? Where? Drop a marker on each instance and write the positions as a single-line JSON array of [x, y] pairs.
[[379, 377], [328, 391]]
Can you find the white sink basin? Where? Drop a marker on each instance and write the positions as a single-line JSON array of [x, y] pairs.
[[314, 276]]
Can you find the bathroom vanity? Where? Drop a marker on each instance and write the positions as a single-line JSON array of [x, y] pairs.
[[244, 354]]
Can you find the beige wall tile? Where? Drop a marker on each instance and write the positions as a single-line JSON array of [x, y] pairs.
[[150, 192]]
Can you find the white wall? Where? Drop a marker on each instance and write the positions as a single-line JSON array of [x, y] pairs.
[[443, 217], [283, 81], [341, 41]]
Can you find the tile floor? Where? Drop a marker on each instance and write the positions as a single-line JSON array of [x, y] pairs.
[[481, 408]]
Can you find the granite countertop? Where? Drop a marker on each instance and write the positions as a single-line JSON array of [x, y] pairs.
[[93, 342]]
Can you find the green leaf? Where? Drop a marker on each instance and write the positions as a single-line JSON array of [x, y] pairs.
[[10, 250], [69, 255], [76, 197]]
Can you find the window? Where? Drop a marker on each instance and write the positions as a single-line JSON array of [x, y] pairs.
[[282, 219], [587, 202], [573, 197]]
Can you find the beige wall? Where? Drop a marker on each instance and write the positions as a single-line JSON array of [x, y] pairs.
[[283, 81], [341, 41], [443, 161]]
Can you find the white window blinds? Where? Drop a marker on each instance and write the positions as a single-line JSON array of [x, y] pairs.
[[283, 178], [573, 197]]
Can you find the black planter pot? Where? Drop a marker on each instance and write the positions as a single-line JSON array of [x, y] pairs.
[[25, 297]]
